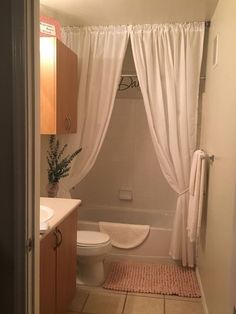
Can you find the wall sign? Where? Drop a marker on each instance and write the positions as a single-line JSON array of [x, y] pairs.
[[127, 82]]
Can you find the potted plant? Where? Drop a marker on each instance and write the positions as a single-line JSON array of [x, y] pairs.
[[58, 166]]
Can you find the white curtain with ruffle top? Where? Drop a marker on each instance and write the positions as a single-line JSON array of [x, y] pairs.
[[168, 61], [100, 52]]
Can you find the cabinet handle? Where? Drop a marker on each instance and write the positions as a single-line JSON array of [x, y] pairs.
[[69, 119], [60, 234], [67, 123], [56, 240]]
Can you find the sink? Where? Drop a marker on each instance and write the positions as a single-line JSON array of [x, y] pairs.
[[46, 213]]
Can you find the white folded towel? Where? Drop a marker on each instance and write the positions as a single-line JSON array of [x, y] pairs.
[[196, 194], [125, 236]]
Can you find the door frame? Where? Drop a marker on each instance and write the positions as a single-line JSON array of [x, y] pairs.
[[26, 152]]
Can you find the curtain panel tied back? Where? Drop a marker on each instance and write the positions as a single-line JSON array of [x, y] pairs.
[[168, 60]]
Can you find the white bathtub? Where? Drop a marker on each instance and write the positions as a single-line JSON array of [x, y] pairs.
[[158, 241]]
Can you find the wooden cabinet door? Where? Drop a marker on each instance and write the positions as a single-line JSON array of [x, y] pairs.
[[58, 87], [73, 104], [48, 274], [66, 262], [67, 86], [48, 85]]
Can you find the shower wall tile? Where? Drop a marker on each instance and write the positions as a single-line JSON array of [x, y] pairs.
[[122, 120], [127, 160]]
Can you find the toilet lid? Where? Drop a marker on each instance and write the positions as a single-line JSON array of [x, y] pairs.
[[89, 238]]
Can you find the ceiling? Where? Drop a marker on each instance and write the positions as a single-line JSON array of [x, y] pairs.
[[105, 12]]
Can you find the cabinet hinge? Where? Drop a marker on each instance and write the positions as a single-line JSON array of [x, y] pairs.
[[29, 244]]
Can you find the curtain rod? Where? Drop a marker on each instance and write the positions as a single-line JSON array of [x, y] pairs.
[[207, 156], [207, 24], [135, 75]]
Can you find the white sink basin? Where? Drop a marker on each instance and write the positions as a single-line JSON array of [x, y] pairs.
[[46, 213]]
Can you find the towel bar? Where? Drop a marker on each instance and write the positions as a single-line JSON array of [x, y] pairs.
[[209, 157]]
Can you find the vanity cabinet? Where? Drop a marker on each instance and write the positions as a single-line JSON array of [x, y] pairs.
[[58, 267], [58, 87]]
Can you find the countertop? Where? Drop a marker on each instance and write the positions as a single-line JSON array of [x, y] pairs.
[[62, 208]]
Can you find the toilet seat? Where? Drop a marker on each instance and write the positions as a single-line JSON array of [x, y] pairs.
[[92, 238]]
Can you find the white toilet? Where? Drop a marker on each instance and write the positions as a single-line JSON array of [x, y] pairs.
[[92, 246]]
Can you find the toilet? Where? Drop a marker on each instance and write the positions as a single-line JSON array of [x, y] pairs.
[[92, 247]]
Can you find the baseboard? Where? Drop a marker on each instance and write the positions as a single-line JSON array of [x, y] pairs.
[[204, 304], [140, 258]]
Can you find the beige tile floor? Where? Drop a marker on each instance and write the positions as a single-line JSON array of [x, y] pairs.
[[100, 301]]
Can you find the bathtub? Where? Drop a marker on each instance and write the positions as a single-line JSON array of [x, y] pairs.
[[158, 241]]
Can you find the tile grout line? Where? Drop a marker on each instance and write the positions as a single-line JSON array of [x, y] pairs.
[[164, 312], [124, 302], [141, 295], [85, 302]]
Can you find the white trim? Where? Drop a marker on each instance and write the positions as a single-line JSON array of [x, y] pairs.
[[204, 304], [34, 135], [141, 258], [33, 152], [35, 13], [25, 106], [27, 141], [215, 52]]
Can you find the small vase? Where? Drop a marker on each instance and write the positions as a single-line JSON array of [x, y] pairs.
[[52, 189]]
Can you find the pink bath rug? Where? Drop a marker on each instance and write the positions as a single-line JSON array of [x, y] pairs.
[[152, 278]]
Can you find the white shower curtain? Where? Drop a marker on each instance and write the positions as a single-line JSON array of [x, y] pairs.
[[100, 53], [168, 60]]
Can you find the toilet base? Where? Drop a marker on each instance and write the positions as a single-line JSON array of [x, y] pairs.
[[91, 274]]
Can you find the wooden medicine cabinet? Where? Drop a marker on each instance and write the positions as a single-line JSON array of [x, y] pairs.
[[58, 87]]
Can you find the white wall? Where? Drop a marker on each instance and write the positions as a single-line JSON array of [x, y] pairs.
[[219, 137]]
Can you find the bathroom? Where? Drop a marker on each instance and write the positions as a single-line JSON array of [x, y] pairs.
[[125, 183]]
